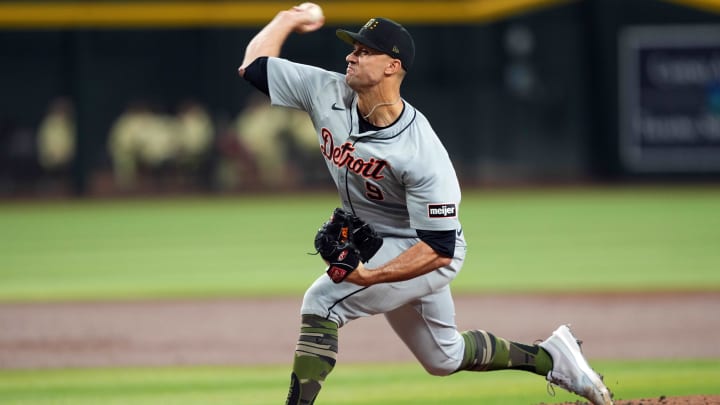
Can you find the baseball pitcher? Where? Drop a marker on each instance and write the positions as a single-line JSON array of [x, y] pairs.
[[396, 242]]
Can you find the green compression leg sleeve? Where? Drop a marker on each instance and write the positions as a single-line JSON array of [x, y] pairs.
[[486, 352], [315, 356]]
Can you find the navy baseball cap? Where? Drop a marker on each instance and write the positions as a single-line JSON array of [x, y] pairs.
[[386, 36]]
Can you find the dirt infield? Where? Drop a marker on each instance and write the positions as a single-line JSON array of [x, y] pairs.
[[688, 400], [264, 331]]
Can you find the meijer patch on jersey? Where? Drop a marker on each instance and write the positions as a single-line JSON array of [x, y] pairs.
[[442, 210]]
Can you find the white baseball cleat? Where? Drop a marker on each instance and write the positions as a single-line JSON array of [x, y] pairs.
[[570, 369]]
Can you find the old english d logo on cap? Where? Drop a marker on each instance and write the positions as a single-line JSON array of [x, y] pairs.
[[371, 24]]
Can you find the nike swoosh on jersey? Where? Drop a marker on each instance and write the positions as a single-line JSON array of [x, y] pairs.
[[337, 107], [459, 232]]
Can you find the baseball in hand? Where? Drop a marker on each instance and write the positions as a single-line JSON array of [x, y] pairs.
[[314, 11]]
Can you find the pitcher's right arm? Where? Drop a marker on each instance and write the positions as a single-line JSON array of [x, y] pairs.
[[269, 41]]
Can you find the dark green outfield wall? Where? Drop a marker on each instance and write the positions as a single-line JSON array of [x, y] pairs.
[[528, 97]]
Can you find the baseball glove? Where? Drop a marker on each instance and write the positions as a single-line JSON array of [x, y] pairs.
[[343, 241]]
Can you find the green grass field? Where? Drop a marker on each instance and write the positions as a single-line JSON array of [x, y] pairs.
[[368, 384], [572, 240], [584, 240]]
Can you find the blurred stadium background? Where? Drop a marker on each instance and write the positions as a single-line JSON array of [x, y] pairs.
[[133, 97]]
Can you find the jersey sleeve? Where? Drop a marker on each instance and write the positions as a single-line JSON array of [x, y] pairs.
[[433, 192], [295, 85]]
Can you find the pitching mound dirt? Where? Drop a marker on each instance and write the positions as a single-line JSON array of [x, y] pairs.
[[662, 400]]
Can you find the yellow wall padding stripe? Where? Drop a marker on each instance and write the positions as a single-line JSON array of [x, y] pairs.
[[712, 6], [249, 13]]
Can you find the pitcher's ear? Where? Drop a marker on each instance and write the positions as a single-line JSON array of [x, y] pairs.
[[394, 66]]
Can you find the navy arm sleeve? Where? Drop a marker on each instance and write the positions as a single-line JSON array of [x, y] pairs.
[[256, 74], [443, 242]]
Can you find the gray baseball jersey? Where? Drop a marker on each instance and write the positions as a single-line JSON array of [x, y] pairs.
[[398, 179]]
